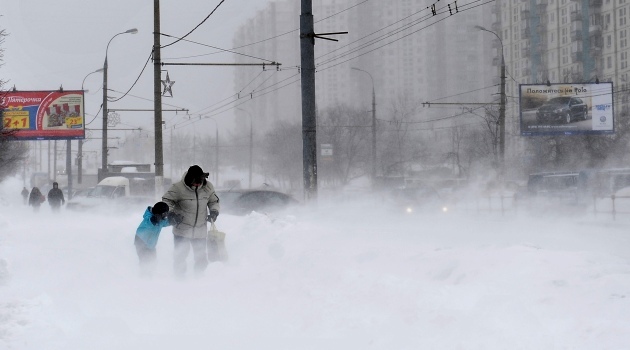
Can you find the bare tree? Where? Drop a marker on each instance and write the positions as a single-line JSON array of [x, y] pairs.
[[281, 158], [399, 146], [348, 130], [12, 152]]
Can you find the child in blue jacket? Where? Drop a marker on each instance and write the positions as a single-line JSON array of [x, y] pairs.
[[148, 232]]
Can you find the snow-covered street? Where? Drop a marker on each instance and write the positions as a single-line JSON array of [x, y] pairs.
[[342, 276]]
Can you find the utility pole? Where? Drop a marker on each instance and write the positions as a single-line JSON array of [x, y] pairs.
[[251, 147], [55, 161], [48, 156], [216, 154], [104, 171], [373, 136], [502, 119], [309, 122], [40, 155], [501, 160], [157, 103], [69, 167], [373, 175], [80, 162]]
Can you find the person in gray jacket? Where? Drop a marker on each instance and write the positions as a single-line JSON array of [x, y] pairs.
[[192, 198]]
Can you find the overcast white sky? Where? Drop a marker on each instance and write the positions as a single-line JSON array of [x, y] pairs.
[[55, 43]]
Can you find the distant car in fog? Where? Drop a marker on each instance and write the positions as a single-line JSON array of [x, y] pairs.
[[242, 202], [112, 193], [559, 186], [562, 110], [417, 199]]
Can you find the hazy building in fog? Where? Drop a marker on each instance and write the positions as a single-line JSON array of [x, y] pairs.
[[412, 57], [561, 41]]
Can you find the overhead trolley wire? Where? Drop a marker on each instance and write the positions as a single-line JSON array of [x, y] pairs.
[[356, 41], [218, 110], [197, 26], [392, 34], [95, 115], [463, 93], [297, 29], [218, 48], [135, 82]]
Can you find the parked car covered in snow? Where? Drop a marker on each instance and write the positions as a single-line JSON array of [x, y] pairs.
[[242, 202], [114, 192]]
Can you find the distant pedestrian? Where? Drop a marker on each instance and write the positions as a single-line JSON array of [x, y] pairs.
[[36, 199], [148, 232], [55, 197], [25, 195]]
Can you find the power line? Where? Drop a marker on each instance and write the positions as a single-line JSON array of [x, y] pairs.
[[375, 40], [197, 26], [218, 48], [393, 41], [217, 111], [297, 29], [341, 47], [148, 99], [386, 35], [135, 82], [432, 120], [95, 115], [463, 93], [251, 94], [439, 127], [237, 95]]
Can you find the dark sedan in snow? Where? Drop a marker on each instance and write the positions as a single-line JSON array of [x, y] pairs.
[[562, 110], [243, 202]]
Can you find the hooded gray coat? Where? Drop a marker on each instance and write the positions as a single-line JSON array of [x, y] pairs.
[[193, 204]]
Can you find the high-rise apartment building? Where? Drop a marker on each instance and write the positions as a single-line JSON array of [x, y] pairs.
[[409, 54], [561, 41]]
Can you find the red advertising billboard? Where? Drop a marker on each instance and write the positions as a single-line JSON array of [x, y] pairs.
[[43, 115]]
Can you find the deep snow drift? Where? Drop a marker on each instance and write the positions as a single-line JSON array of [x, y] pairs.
[[348, 275]]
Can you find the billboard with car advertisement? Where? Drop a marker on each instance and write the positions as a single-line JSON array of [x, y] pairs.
[[566, 109], [43, 115]]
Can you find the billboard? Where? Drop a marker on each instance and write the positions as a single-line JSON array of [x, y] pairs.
[[43, 115], [566, 109]]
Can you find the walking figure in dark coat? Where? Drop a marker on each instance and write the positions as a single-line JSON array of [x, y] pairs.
[[55, 197], [36, 199], [25, 195]]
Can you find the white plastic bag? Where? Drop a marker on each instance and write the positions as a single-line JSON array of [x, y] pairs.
[[216, 244]]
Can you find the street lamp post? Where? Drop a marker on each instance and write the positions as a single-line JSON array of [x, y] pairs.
[[373, 125], [251, 144], [80, 152], [501, 107], [216, 151], [105, 110]]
